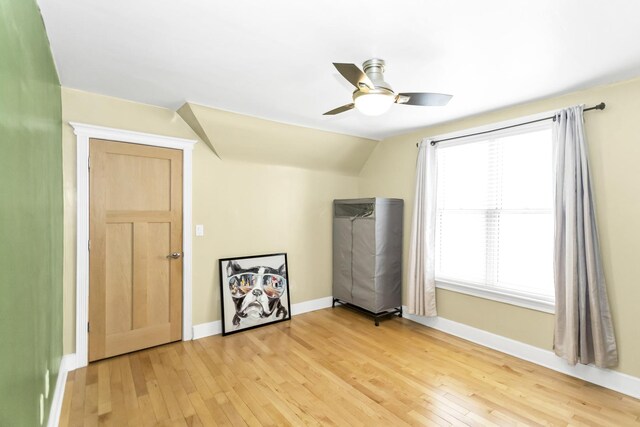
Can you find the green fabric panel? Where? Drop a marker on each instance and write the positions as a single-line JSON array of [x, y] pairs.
[[30, 215]]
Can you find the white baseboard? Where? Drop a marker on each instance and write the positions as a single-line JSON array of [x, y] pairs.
[[311, 305], [67, 364], [610, 379], [214, 328], [207, 329]]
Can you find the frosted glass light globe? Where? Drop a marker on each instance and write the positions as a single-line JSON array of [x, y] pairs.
[[373, 104]]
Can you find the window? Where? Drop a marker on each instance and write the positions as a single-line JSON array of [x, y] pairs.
[[494, 224]]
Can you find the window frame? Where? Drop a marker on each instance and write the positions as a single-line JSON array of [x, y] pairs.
[[513, 297]]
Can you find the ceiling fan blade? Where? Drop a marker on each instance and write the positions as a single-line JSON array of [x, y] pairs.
[[423, 98], [353, 74], [339, 110]]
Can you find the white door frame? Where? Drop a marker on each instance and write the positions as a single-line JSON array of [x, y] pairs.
[[83, 133]]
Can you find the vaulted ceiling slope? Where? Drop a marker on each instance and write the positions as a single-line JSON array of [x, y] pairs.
[[235, 136], [272, 59]]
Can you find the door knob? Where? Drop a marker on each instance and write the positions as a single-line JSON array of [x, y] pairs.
[[175, 255]]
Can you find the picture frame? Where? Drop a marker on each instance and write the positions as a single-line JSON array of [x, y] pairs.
[[254, 291]]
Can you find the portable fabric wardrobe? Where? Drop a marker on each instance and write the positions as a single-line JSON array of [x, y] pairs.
[[367, 254]]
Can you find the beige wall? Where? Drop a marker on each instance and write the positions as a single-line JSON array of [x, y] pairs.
[[245, 208], [252, 208], [614, 145]]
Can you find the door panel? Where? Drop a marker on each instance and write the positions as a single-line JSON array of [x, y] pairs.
[[119, 277], [128, 188], [158, 271], [135, 291]]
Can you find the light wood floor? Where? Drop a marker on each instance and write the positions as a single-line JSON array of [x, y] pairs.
[[334, 367]]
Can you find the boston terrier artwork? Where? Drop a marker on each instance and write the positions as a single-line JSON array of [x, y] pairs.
[[256, 290]]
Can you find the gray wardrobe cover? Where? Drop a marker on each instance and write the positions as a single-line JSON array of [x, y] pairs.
[[367, 253]]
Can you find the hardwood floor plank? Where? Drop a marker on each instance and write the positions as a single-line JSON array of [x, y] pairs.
[[65, 412], [118, 413], [137, 374], [147, 416], [334, 367], [202, 411], [177, 388], [104, 389], [129, 394], [157, 401], [91, 401], [166, 389]]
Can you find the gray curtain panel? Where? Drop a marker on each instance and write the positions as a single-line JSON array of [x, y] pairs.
[[583, 327], [421, 277]]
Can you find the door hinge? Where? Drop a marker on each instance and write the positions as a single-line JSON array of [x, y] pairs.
[[88, 162], [88, 327], [88, 244]]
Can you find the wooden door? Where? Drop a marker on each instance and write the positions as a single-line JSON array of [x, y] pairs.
[[135, 225]]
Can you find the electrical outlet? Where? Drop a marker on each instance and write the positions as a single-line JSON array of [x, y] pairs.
[[46, 384], [41, 408]]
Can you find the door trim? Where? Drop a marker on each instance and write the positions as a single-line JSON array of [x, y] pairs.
[[83, 133]]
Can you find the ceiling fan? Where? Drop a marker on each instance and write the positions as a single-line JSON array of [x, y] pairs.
[[373, 96]]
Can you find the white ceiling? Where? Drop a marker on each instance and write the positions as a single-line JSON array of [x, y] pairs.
[[272, 59]]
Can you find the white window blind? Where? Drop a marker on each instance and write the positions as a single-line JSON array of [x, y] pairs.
[[494, 225]]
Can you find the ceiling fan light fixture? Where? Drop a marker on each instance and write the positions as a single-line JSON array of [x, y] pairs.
[[373, 96], [373, 103]]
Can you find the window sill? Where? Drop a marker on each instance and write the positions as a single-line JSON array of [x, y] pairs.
[[526, 301]]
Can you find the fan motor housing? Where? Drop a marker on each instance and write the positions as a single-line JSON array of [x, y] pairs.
[[374, 69]]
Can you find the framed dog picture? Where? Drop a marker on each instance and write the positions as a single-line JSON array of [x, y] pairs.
[[254, 291]]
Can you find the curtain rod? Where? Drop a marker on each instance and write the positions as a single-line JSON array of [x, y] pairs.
[[600, 106]]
